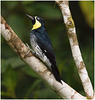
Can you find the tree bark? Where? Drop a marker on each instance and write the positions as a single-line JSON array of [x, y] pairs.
[[71, 32]]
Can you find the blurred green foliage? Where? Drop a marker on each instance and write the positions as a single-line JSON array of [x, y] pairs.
[[86, 8], [18, 79]]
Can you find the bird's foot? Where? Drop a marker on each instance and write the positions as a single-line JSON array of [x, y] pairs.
[[30, 50]]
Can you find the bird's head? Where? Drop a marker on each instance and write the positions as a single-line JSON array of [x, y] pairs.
[[36, 21]]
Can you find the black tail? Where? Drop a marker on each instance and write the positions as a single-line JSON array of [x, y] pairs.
[[56, 73]]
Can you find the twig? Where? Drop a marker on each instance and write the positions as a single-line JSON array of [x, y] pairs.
[[64, 91], [71, 31]]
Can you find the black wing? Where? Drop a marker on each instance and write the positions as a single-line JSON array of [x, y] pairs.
[[45, 44]]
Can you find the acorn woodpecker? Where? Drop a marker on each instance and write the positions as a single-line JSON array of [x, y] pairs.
[[42, 46]]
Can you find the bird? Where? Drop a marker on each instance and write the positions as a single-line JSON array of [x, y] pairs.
[[42, 46]]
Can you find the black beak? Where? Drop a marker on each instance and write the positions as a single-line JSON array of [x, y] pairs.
[[32, 18]]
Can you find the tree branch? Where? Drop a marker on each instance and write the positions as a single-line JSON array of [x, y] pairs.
[[71, 31], [63, 90]]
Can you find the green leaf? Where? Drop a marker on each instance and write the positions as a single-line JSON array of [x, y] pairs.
[[24, 3], [14, 62], [87, 8], [44, 9], [29, 71], [47, 93], [17, 24], [11, 5], [33, 86], [4, 65], [5, 94], [10, 80]]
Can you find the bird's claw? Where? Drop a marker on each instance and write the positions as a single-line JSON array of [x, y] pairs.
[[27, 46], [30, 50]]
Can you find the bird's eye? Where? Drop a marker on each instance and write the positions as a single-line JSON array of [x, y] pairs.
[[38, 18]]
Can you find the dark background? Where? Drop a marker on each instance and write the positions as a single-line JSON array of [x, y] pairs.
[[18, 80]]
